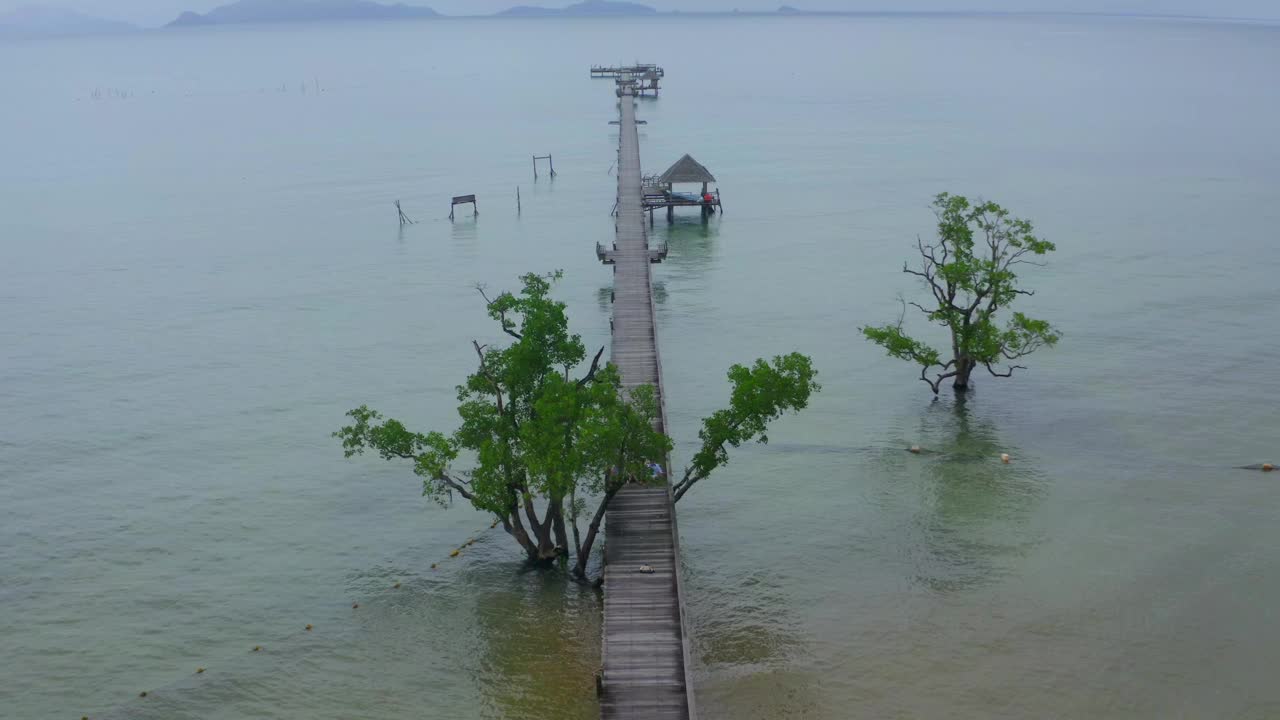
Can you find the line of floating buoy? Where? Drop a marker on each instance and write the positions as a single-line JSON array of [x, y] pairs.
[[916, 450]]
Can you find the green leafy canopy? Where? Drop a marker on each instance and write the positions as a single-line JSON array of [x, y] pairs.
[[970, 272], [536, 435]]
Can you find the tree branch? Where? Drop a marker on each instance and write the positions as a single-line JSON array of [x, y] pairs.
[[455, 485], [507, 325], [936, 383], [497, 388], [595, 365], [1003, 374]]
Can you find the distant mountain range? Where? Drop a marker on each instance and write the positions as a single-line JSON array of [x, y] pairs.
[[39, 21], [268, 11], [586, 8]]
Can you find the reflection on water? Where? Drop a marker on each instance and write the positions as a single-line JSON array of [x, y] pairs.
[[541, 647], [748, 637], [464, 227], [690, 242], [973, 507], [659, 292]]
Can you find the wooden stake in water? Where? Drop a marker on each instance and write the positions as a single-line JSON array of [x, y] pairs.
[[404, 219]]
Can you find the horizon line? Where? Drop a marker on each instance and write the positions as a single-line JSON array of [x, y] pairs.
[[791, 12]]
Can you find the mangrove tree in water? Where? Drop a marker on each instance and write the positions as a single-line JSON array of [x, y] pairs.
[[543, 435], [969, 272]]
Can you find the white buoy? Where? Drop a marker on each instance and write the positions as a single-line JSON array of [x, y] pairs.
[[1004, 458]]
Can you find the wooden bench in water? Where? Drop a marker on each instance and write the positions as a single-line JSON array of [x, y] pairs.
[[463, 200], [645, 640]]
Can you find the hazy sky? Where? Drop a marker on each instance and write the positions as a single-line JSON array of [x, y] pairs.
[[155, 12]]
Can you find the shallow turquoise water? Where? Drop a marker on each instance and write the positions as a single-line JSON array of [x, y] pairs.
[[202, 271]]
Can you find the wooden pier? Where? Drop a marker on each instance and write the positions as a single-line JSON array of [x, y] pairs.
[[643, 77], [645, 639], [617, 71]]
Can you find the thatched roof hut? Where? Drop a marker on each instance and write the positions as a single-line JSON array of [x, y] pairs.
[[687, 170]]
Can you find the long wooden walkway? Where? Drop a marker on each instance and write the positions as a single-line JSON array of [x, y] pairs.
[[646, 647]]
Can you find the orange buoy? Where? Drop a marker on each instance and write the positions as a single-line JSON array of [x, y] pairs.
[[1268, 467]]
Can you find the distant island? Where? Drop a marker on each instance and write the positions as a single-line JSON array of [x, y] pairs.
[[39, 21], [586, 8], [270, 11], [45, 21]]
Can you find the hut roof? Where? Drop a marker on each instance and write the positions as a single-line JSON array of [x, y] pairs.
[[687, 170]]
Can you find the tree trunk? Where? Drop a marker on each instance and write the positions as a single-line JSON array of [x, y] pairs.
[[584, 555], [557, 523], [573, 508], [511, 523], [964, 368]]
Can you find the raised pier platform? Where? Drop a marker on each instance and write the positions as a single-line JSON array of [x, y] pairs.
[[645, 640]]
